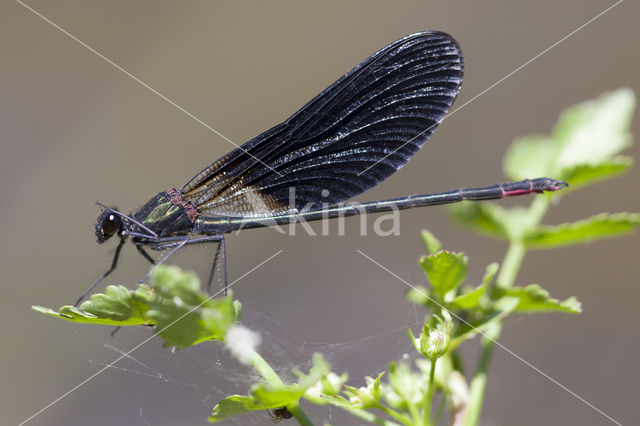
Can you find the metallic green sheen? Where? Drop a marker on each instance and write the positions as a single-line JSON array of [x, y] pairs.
[[164, 217]]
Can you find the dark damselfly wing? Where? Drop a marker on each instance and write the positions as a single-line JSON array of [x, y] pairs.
[[347, 139]]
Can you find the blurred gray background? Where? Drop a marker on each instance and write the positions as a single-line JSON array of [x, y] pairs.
[[75, 130]]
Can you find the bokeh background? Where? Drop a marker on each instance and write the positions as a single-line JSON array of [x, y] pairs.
[[76, 130]]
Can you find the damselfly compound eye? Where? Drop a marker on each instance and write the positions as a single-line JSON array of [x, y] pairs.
[[108, 224]]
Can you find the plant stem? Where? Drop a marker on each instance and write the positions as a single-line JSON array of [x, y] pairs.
[[265, 370], [415, 420], [429, 399], [538, 208], [415, 414], [479, 381], [300, 415], [507, 276], [511, 264], [370, 417], [506, 279]]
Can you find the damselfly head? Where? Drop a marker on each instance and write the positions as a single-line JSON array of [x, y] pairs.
[[109, 222]]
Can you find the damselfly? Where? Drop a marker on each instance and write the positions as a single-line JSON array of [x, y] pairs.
[[347, 139]]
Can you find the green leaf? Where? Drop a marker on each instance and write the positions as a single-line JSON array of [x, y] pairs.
[[582, 147], [534, 298], [594, 131], [375, 386], [274, 395], [492, 220], [481, 321], [484, 218], [234, 405], [340, 401], [586, 174], [418, 294], [471, 299], [184, 315], [529, 157], [366, 396], [594, 228], [415, 340], [446, 270], [318, 371], [237, 310], [364, 415], [405, 386], [489, 273], [331, 385], [117, 306], [270, 395], [431, 243]]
